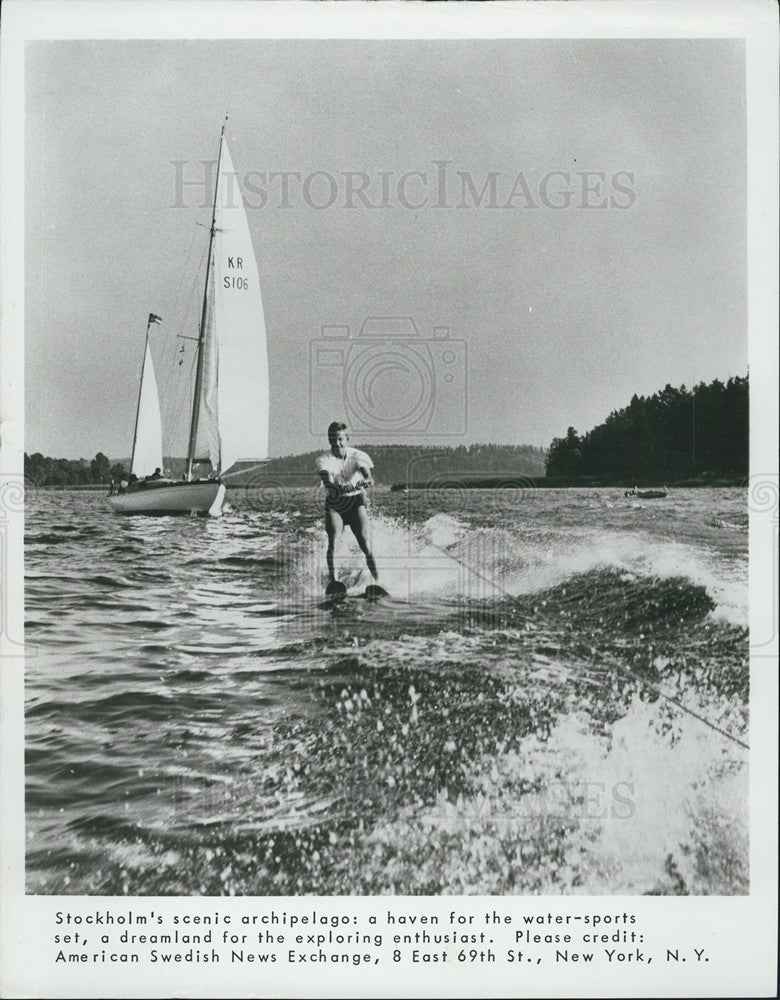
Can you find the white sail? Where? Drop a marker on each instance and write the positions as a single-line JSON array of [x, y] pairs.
[[147, 448], [239, 328]]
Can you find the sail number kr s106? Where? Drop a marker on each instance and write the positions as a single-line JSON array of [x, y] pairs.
[[232, 280]]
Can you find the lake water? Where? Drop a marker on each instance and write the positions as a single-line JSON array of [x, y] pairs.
[[553, 700]]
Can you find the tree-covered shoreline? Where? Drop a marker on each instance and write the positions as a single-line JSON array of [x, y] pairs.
[[393, 463], [683, 436], [44, 471]]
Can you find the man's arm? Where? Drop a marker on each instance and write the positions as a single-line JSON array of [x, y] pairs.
[[365, 472], [334, 489], [327, 481]]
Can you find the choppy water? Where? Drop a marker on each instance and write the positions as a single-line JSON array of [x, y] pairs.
[[198, 722]]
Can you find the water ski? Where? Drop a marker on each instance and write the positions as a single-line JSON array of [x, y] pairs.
[[374, 592], [336, 591]]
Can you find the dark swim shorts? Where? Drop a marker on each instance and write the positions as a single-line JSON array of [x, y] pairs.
[[347, 507]]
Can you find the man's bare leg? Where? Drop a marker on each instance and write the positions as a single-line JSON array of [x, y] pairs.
[[333, 527], [361, 528]]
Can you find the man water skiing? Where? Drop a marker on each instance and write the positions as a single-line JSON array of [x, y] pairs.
[[345, 473]]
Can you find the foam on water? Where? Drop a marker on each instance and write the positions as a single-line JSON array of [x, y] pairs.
[[575, 812], [446, 557], [413, 562], [635, 554], [701, 779]]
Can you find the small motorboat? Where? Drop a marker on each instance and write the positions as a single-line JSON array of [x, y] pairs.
[[646, 494]]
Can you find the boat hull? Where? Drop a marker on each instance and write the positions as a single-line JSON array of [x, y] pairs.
[[178, 498], [646, 494]]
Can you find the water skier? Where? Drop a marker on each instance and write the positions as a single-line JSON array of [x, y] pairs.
[[345, 473]]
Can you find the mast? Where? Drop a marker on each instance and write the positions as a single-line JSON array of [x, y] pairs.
[[202, 332], [140, 390]]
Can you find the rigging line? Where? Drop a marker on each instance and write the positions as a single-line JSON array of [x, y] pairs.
[[172, 415], [173, 391], [182, 393], [174, 410], [621, 669], [185, 316], [182, 320], [174, 402], [162, 353], [184, 270]]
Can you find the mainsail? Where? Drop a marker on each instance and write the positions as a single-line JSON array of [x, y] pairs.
[[232, 423], [147, 446]]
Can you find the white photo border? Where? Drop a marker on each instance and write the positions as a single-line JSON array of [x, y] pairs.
[[742, 930]]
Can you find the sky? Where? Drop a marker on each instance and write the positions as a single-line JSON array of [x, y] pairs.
[[564, 221]]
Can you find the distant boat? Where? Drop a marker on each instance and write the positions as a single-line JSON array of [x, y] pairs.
[[229, 410], [646, 494]]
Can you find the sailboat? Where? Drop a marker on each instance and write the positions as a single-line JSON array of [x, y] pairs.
[[229, 416]]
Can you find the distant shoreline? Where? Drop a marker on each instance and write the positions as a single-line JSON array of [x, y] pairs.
[[486, 483], [564, 482]]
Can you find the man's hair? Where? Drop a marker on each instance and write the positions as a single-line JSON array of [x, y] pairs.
[[335, 427]]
